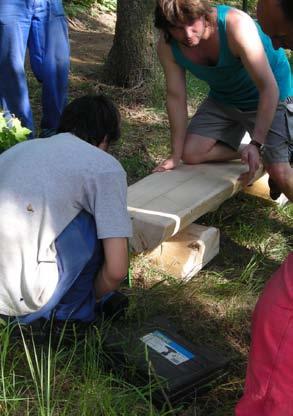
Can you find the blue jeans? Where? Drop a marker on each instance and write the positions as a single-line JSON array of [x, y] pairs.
[[41, 26], [79, 258]]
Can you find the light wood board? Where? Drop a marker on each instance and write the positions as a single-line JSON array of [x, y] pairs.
[[162, 204]]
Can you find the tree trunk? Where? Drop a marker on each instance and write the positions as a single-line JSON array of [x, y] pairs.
[[131, 58]]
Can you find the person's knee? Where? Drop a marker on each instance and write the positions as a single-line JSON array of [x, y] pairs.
[[191, 158], [194, 152]]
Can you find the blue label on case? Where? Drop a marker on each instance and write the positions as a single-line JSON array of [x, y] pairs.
[[165, 346]]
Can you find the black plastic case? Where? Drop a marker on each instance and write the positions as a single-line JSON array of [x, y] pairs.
[[155, 352]]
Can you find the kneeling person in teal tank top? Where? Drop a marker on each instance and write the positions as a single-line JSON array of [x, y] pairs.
[[249, 81]]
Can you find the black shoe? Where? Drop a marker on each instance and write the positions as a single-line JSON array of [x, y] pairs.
[[113, 305], [68, 331], [274, 189], [36, 331]]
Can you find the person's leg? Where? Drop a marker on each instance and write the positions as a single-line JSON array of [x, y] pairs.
[[15, 21], [49, 56], [79, 258], [269, 379], [278, 152], [79, 301], [200, 149], [275, 191], [281, 177], [212, 135]]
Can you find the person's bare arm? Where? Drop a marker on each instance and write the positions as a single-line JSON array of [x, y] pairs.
[[245, 43], [176, 104], [115, 266]]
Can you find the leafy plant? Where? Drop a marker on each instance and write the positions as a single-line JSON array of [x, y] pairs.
[[104, 5], [85, 3], [107, 5], [11, 132]]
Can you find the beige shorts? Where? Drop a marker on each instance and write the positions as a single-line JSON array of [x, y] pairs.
[[229, 124]]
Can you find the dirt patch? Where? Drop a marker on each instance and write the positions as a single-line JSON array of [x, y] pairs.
[[91, 38]]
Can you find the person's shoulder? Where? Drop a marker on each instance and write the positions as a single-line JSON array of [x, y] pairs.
[[109, 162], [19, 150], [85, 156], [99, 162], [241, 30], [236, 17]]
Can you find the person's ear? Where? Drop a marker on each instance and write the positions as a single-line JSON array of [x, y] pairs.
[[104, 144]]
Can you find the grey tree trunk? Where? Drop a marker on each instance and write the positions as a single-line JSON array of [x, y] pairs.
[[131, 58]]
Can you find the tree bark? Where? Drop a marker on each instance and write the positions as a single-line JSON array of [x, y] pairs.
[[131, 58]]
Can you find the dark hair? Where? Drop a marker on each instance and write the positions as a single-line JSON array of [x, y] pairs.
[[91, 118], [287, 7], [168, 13]]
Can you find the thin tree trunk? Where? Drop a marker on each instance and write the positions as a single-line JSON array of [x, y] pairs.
[[131, 58], [245, 5]]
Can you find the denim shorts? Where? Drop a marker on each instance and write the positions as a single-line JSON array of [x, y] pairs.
[[79, 258], [229, 124]]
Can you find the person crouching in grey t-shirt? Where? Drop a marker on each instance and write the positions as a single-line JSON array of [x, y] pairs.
[[63, 217]]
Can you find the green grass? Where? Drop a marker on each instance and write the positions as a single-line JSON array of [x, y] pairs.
[[63, 381]]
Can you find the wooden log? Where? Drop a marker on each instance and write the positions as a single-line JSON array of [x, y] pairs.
[[186, 253]]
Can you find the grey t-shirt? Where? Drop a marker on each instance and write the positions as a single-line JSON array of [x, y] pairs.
[[44, 184]]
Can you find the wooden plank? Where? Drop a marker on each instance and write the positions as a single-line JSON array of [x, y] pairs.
[[186, 253], [162, 204]]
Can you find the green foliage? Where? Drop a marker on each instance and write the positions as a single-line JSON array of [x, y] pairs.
[[135, 165], [107, 5], [240, 4], [73, 6], [84, 3], [11, 132]]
